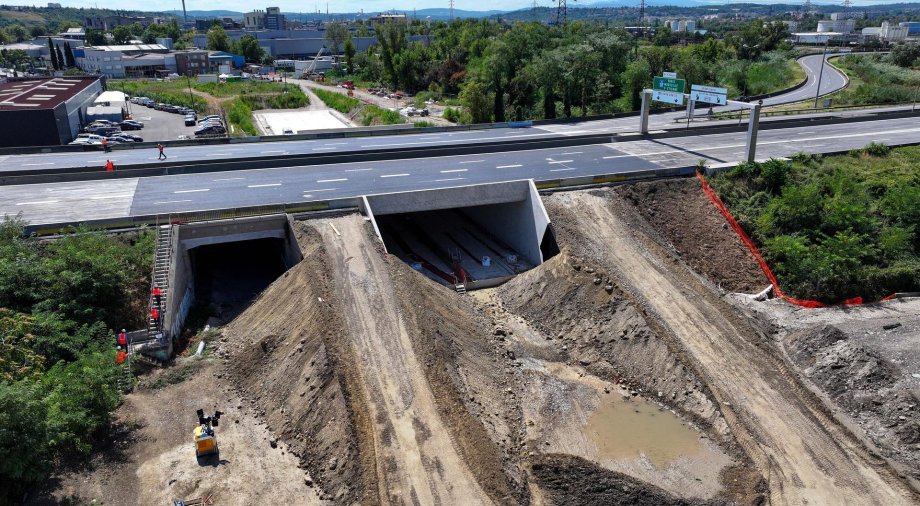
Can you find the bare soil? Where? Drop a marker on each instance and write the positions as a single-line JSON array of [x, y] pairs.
[[806, 455], [149, 457]]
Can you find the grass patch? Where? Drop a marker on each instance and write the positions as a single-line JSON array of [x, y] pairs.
[[173, 377], [239, 114], [373, 115], [834, 227], [166, 92], [337, 101], [875, 81]]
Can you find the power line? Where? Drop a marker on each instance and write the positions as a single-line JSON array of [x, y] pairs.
[[451, 10], [561, 13]]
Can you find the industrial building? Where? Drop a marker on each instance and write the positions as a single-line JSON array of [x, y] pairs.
[[131, 60], [45, 112]]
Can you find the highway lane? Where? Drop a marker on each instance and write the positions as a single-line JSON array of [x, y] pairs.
[[53, 203], [832, 81]]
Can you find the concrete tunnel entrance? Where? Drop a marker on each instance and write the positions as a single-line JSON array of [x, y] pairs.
[[476, 236], [224, 264]]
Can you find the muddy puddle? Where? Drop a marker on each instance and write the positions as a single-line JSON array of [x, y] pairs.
[[624, 429]]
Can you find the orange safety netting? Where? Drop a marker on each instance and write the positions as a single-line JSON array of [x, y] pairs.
[[716, 201]]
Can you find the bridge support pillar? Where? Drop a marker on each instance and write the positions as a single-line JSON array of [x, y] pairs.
[[753, 126], [646, 105]]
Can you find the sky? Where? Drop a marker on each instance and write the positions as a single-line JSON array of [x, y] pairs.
[[369, 6]]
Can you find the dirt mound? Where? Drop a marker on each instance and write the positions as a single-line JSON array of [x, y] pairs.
[[680, 212], [594, 324], [284, 354], [571, 480], [872, 390]]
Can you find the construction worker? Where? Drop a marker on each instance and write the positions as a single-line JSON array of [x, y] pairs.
[[120, 357], [155, 315], [105, 145], [109, 166], [162, 155], [122, 339], [157, 295]]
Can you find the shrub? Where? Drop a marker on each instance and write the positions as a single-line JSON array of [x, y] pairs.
[[876, 149]]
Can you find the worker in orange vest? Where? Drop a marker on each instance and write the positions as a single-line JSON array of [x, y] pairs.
[[120, 357], [155, 315], [109, 166], [105, 145], [122, 339], [157, 295]]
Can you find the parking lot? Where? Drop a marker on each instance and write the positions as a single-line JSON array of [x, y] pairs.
[[160, 125]]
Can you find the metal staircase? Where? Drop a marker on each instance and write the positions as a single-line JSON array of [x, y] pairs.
[[161, 259]]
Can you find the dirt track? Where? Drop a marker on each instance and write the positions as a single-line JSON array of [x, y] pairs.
[[416, 459], [805, 455]]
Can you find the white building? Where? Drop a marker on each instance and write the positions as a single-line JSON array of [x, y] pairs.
[[254, 20], [134, 60], [815, 37], [892, 33], [840, 25]]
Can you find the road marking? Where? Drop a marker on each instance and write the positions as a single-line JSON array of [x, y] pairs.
[[508, 166], [573, 153], [395, 175], [357, 170], [336, 143], [218, 154], [193, 191], [473, 161], [229, 179], [102, 197], [172, 201], [453, 170], [560, 170], [273, 151], [321, 190], [332, 180], [561, 161], [450, 179], [37, 202], [324, 149], [263, 185], [34, 164]]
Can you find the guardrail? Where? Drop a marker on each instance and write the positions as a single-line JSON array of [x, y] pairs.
[[740, 113]]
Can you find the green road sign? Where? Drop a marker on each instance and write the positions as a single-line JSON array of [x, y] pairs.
[[669, 84]]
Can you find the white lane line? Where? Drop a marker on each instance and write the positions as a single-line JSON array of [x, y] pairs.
[[273, 151], [508, 166], [229, 179], [193, 191], [560, 170], [336, 143], [450, 179], [117, 196], [172, 201], [357, 170], [218, 154], [332, 180], [37, 202], [321, 190], [561, 161], [395, 175], [473, 161], [573, 153], [263, 185], [35, 164], [453, 170], [323, 149]]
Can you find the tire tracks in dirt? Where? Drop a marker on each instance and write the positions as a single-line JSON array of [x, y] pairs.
[[806, 456]]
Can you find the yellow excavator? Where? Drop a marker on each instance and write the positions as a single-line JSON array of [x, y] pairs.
[[205, 442]]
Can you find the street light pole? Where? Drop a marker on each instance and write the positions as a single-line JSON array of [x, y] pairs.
[[821, 73]]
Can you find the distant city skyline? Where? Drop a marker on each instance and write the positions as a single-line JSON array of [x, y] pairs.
[[373, 6]]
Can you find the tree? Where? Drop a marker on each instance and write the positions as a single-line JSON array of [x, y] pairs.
[[350, 56], [55, 63], [95, 37], [336, 33], [68, 56], [17, 32], [218, 39], [905, 54], [249, 47], [37, 31], [60, 57], [121, 35], [475, 98]]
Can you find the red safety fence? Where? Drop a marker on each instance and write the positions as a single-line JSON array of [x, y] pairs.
[[716, 201]]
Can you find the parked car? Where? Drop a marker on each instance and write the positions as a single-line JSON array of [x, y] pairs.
[[126, 138], [211, 130], [104, 130], [131, 125], [190, 120], [206, 118], [287, 131]]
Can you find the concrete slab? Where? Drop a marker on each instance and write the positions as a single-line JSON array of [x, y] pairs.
[[298, 121], [57, 202]]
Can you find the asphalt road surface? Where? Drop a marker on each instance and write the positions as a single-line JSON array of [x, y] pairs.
[[832, 81], [80, 201]]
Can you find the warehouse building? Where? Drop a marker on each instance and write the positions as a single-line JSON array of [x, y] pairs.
[[45, 112]]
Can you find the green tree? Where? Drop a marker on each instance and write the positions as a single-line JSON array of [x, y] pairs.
[[68, 55], [23, 438], [905, 54], [475, 99], [60, 57], [636, 77], [37, 31], [248, 46], [95, 37], [218, 39], [336, 33], [349, 56], [55, 63], [17, 33], [121, 35]]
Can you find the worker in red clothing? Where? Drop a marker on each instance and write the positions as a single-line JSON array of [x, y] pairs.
[[109, 166], [155, 315], [157, 295], [120, 357], [105, 145], [162, 155], [122, 339]]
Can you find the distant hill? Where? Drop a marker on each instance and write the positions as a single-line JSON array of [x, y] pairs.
[[207, 14]]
